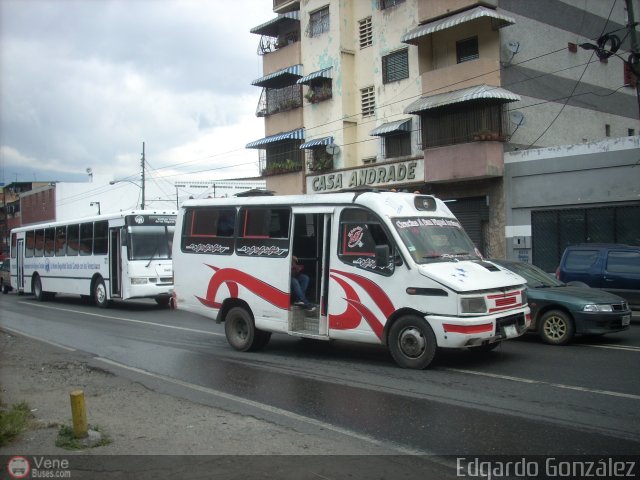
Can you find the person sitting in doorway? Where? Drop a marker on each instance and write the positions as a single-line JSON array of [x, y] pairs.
[[299, 285]]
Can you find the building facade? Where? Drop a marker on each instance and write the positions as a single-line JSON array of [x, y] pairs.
[[429, 95]]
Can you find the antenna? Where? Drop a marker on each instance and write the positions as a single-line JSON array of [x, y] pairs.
[[332, 149], [516, 117]]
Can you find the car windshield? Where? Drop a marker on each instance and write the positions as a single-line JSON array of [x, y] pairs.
[[150, 242], [435, 239], [535, 277]]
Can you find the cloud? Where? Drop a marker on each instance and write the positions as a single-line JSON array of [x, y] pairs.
[[85, 83]]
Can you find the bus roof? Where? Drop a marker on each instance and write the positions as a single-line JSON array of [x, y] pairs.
[[386, 203], [95, 218]]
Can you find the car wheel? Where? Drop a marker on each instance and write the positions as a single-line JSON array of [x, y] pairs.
[[100, 294], [241, 332], [412, 342], [163, 301], [556, 327]]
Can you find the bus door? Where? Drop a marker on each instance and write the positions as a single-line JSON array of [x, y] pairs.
[[115, 261], [311, 235], [20, 265]]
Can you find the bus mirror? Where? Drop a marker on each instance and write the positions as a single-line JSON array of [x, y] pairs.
[[123, 237], [382, 255]]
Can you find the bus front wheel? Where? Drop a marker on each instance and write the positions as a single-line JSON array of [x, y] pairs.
[[100, 294], [241, 332], [412, 342]]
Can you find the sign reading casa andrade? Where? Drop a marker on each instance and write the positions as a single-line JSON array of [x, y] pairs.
[[389, 174]]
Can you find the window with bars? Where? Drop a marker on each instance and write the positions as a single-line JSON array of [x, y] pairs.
[[389, 3], [318, 22], [467, 50], [283, 99], [395, 66], [368, 101], [398, 145], [366, 32]]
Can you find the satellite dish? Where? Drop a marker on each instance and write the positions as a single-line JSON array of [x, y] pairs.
[[516, 117], [513, 46], [89, 170], [332, 149]]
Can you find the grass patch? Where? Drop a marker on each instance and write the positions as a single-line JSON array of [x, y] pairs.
[[68, 441], [13, 421]]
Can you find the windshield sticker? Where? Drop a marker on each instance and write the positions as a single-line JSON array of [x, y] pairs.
[[427, 222]]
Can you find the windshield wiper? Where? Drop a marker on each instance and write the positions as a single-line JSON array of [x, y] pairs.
[[445, 255]]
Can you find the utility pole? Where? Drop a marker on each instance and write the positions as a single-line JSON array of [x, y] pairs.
[[634, 58], [142, 185]]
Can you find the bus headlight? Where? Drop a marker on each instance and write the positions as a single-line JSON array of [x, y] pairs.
[[139, 281], [473, 305]]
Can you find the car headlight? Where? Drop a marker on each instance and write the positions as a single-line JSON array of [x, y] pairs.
[[473, 305], [139, 281], [597, 308]]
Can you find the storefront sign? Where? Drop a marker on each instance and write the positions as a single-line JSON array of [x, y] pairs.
[[385, 175]]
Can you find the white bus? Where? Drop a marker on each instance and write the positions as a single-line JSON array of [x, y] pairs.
[[123, 255], [387, 268]]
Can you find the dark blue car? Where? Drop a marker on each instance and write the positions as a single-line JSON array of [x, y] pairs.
[[560, 311], [611, 267]]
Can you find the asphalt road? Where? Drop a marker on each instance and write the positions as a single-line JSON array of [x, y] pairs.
[[525, 398]]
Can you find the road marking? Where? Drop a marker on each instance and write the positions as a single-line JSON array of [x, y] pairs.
[[550, 384], [628, 348], [270, 409], [131, 320], [22, 334]]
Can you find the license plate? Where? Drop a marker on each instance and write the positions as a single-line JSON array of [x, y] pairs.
[[510, 331], [626, 320]]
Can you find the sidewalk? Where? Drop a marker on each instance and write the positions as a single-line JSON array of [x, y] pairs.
[[138, 420]]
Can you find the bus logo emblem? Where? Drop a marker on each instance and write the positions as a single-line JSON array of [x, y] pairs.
[[139, 219]]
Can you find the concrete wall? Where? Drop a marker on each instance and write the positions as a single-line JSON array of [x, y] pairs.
[[593, 174]]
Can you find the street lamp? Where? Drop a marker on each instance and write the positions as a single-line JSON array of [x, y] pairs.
[[141, 187], [95, 203]]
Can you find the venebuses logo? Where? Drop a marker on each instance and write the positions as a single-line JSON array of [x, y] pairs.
[[18, 467]]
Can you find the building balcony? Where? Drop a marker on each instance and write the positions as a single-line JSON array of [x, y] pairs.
[[462, 75], [464, 161], [284, 56], [429, 10], [284, 6]]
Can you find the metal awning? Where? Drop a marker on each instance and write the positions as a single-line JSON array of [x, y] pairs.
[[318, 142], [325, 73], [278, 137], [273, 27], [391, 128], [498, 20], [479, 92], [281, 78]]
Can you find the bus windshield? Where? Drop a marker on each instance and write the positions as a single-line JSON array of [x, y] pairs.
[[150, 242], [435, 239]]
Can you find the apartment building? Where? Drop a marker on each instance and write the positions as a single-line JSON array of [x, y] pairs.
[[429, 95]]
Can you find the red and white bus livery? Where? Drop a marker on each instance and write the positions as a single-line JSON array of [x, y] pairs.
[[384, 267]]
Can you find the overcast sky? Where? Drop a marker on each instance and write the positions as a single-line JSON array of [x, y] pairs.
[[84, 82]]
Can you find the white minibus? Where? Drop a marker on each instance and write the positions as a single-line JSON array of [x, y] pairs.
[[386, 268], [123, 255]]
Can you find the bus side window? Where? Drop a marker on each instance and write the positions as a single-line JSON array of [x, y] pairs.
[[49, 241], [29, 244], [86, 238], [39, 243], [100, 238], [73, 239], [61, 241]]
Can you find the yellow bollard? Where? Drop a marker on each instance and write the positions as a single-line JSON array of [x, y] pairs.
[[78, 414]]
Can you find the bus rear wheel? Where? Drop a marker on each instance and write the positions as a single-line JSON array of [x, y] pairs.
[[412, 342], [241, 332], [100, 294], [36, 288]]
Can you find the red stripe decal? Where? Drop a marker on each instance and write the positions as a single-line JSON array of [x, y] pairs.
[[374, 291], [232, 278], [351, 317], [468, 329]]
